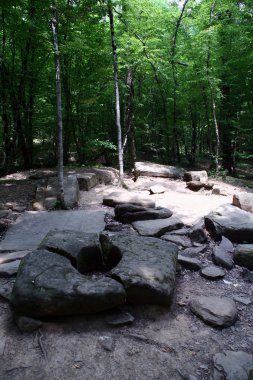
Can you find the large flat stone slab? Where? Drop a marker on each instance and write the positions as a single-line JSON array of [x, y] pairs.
[[124, 196], [157, 227], [31, 227], [145, 266], [157, 170], [128, 213]]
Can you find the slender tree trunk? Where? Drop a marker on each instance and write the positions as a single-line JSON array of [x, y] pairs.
[[194, 137], [215, 123], [176, 150], [116, 82], [60, 187], [3, 100], [128, 117]]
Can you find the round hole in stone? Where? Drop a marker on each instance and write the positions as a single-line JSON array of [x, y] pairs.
[[91, 259]]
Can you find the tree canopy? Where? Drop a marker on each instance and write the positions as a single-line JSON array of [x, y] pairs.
[[184, 73]]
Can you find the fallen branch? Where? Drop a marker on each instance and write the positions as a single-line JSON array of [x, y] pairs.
[[41, 345]]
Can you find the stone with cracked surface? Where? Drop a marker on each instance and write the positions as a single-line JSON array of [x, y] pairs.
[[145, 266], [48, 285]]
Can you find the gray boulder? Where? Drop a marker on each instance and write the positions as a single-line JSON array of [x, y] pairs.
[[216, 311], [196, 176], [223, 254], [232, 365], [124, 196], [230, 221], [244, 255], [189, 262], [223, 257], [145, 266], [212, 273], [197, 185], [128, 213], [181, 241], [82, 249], [244, 201], [226, 244], [157, 227], [156, 170], [48, 285]]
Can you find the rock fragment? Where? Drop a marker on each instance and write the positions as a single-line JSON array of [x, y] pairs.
[[216, 311]]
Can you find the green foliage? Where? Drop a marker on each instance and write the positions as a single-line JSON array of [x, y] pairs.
[[144, 35]]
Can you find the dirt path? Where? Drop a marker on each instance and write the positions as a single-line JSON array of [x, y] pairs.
[[160, 344]]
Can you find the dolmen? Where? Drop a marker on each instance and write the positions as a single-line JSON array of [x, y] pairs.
[[75, 273]]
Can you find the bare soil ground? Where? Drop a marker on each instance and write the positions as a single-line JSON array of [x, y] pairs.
[[160, 344]]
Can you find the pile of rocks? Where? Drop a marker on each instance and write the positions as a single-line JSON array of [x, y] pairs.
[[227, 225]]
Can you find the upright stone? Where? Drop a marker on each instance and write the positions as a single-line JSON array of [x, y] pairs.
[[244, 201], [71, 191], [87, 181]]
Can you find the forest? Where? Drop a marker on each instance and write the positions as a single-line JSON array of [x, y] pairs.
[[158, 80]]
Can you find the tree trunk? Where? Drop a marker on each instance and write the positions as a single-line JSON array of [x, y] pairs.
[[194, 137], [128, 117], [117, 96], [208, 68], [3, 101], [60, 182], [176, 150]]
